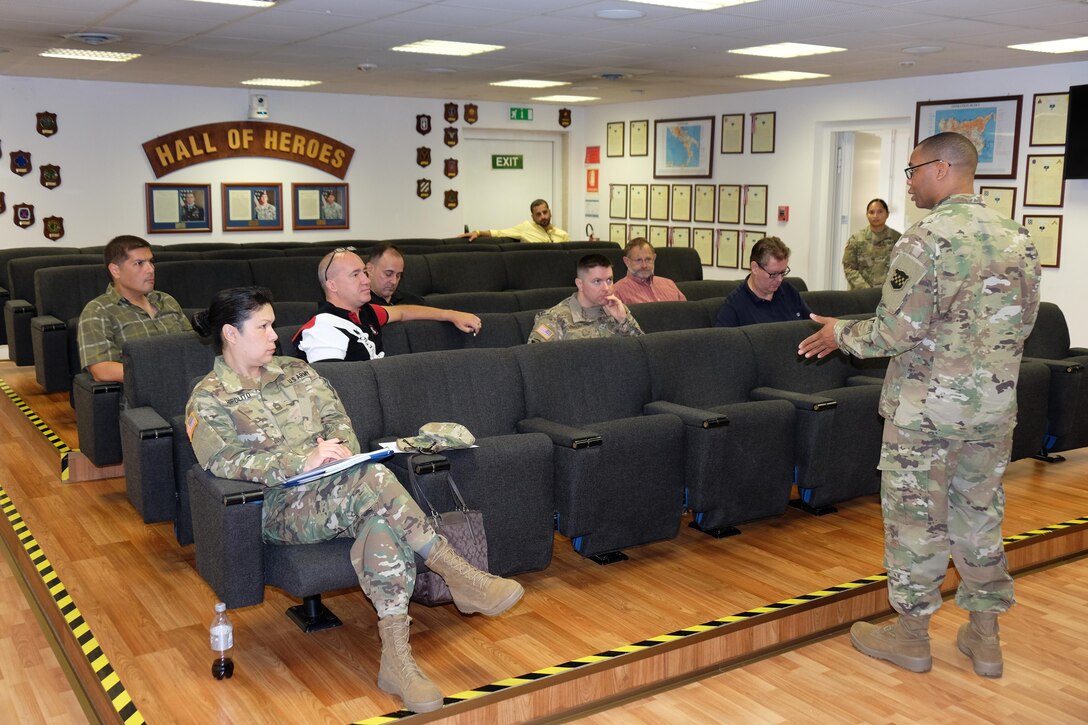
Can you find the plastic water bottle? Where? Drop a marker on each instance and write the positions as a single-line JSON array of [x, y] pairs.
[[222, 640]]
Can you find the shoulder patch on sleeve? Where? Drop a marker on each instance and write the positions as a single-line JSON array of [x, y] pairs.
[[899, 278], [190, 425], [544, 331]]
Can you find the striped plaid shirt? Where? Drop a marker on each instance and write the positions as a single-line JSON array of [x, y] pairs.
[[109, 320]]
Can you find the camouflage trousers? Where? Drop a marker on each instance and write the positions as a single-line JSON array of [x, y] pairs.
[[942, 497], [369, 505]]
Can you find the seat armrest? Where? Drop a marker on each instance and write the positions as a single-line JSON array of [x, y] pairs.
[[227, 535], [695, 417], [85, 382], [801, 401], [1078, 351], [566, 436], [47, 323], [1058, 366], [147, 422], [863, 380]]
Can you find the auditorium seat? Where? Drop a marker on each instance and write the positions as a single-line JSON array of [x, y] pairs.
[[1067, 416]]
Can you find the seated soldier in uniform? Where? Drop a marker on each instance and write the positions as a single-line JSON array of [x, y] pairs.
[[592, 311]]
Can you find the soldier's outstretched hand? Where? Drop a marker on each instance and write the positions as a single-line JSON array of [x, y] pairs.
[[822, 341]]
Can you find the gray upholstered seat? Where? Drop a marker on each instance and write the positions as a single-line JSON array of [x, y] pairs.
[[1067, 416]]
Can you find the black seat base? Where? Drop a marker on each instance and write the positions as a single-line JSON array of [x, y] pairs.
[[718, 532], [1048, 457], [814, 510], [313, 616], [608, 557]]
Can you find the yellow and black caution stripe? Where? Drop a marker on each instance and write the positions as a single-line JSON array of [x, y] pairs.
[[682, 633], [41, 425], [109, 681]]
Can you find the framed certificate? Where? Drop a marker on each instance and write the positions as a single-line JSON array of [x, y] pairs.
[[684, 147], [728, 249], [617, 201], [1049, 115], [617, 233], [1000, 198], [702, 239], [640, 138], [639, 200], [681, 202], [178, 208], [252, 207], [992, 124], [755, 204], [763, 133], [1046, 234], [1045, 183], [733, 133], [659, 236], [704, 203], [320, 206], [659, 202], [680, 237], [615, 140], [637, 230], [729, 203]]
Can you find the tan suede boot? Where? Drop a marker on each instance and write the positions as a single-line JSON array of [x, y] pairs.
[[399, 674], [904, 642], [473, 590], [980, 640]]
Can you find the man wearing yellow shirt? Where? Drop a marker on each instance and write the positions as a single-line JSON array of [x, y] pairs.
[[537, 229]]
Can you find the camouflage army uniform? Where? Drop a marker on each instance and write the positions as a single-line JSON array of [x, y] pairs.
[[262, 431], [865, 259], [959, 301], [568, 320]]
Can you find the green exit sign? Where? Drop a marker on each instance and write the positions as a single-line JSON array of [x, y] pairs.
[[521, 114], [507, 162]]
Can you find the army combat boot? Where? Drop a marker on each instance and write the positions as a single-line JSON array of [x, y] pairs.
[[399, 674], [980, 640], [473, 590], [904, 642]]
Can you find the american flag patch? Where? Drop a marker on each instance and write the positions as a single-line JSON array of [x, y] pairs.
[[545, 332]]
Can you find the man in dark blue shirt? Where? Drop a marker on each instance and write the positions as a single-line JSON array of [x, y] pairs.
[[765, 295]]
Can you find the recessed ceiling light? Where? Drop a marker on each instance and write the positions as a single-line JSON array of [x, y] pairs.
[[280, 82], [528, 83], [619, 14], [246, 3], [923, 49], [92, 38], [447, 47], [787, 50], [783, 75], [695, 4], [101, 55], [566, 99], [1066, 45], [441, 70]]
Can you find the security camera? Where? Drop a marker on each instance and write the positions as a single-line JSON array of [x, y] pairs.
[[258, 107]]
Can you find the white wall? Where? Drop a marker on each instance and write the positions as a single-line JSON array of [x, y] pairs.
[[798, 173]]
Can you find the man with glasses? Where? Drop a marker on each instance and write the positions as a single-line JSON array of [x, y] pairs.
[[592, 311], [765, 295], [348, 326], [641, 284], [960, 298]]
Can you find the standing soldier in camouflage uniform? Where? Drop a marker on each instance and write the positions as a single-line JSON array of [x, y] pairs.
[[592, 311], [266, 419], [959, 301], [868, 251]]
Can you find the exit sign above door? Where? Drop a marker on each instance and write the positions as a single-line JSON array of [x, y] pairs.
[[521, 114], [498, 161]]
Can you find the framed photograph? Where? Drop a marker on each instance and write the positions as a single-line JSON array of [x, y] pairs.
[[1001, 198], [681, 202], [639, 201], [636, 230], [704, 203], [993, 124], [659, 236], [617, 233], [659, 202], [617, 201], [703, 240], [1046, 234], [763, 132], [728, 249], [1049, 115], [320, 206], [684, 147], [755, 204], [732, 133], [178, 208], [252, 207], [680, 237], [615, 140], [1045, 183], [640, 138], [729, 203]]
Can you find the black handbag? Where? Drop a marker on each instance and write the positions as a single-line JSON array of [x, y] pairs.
[[464, 531]]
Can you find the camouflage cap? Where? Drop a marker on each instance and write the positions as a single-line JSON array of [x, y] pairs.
[[435, 437]]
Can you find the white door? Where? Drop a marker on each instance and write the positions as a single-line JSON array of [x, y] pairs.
[[497, 198]]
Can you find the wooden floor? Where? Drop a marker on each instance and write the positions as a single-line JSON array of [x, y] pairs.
[[149, 610]]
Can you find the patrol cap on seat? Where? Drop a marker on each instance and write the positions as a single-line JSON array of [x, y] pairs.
[[435, 437]]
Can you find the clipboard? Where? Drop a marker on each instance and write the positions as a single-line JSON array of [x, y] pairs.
[[337, 466]]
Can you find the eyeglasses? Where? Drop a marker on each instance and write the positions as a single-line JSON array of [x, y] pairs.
[[774, 275], [338, 250], [909, 171]]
